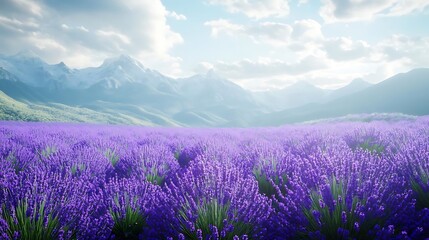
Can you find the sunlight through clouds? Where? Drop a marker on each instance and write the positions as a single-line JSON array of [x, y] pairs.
[[58, 31], [239, 39]]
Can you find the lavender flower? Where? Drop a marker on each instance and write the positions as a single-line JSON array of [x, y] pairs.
[[321, 181]]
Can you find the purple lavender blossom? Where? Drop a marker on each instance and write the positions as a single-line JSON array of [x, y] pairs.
[[176, 178]]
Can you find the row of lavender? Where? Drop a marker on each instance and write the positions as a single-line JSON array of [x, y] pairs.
[[325, 181]]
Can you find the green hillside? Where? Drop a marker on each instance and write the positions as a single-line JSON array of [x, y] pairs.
[[11, 109]]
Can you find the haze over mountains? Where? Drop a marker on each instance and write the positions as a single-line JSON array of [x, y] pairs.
[[123, 91]]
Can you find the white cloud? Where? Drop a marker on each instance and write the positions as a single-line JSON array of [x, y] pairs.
[[406, 7], [307, 30], [413, 51], [303, 37], [114, 35], [16, 25], [63, 30], [374, 63], [356, 10], [262, 32], [266, 67], [224, 26], [265, 73], [324, 61], [343, 48], [24, 6], [82, 28], [255, 8], [270, 32], [176, 16], [203, 67], [167, 64], [302, 2], [46, 44]]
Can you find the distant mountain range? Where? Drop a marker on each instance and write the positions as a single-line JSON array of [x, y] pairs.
[[123, 91]]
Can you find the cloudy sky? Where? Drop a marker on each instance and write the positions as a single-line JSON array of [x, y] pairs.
[[257, 44]]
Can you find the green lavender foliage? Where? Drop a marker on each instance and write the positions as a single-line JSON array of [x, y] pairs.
[[48, 151], [75, 167], [17, 166], [267, 183], [36, 226], [328, 220], [212, 213], [420, 186], [264, 185], [129, 225], [112, 156], [177, 154], [153, 175], [372, 147]]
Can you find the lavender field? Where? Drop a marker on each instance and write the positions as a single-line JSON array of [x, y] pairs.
[[321, 181]]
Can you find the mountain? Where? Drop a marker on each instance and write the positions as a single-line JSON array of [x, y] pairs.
[[210, 89], [122, 90], [117, 72], [124, 86], [405, 93], [113, 73], [11, 109], [15, 88], [125, 80], [34, 72], [354, 86], [299, 94], [366, 117], [210, 98], [303, 93]]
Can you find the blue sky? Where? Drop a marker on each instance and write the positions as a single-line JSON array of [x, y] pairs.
[[257, 44]]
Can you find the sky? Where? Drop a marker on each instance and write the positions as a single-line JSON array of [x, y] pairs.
[[259, 45]]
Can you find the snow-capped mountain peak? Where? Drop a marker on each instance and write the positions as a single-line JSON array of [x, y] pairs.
[[123, 62], [113, 73], [32, 70], [26, 54], [212, 74]]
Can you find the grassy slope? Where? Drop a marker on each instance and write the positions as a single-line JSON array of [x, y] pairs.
[[11, 109]]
